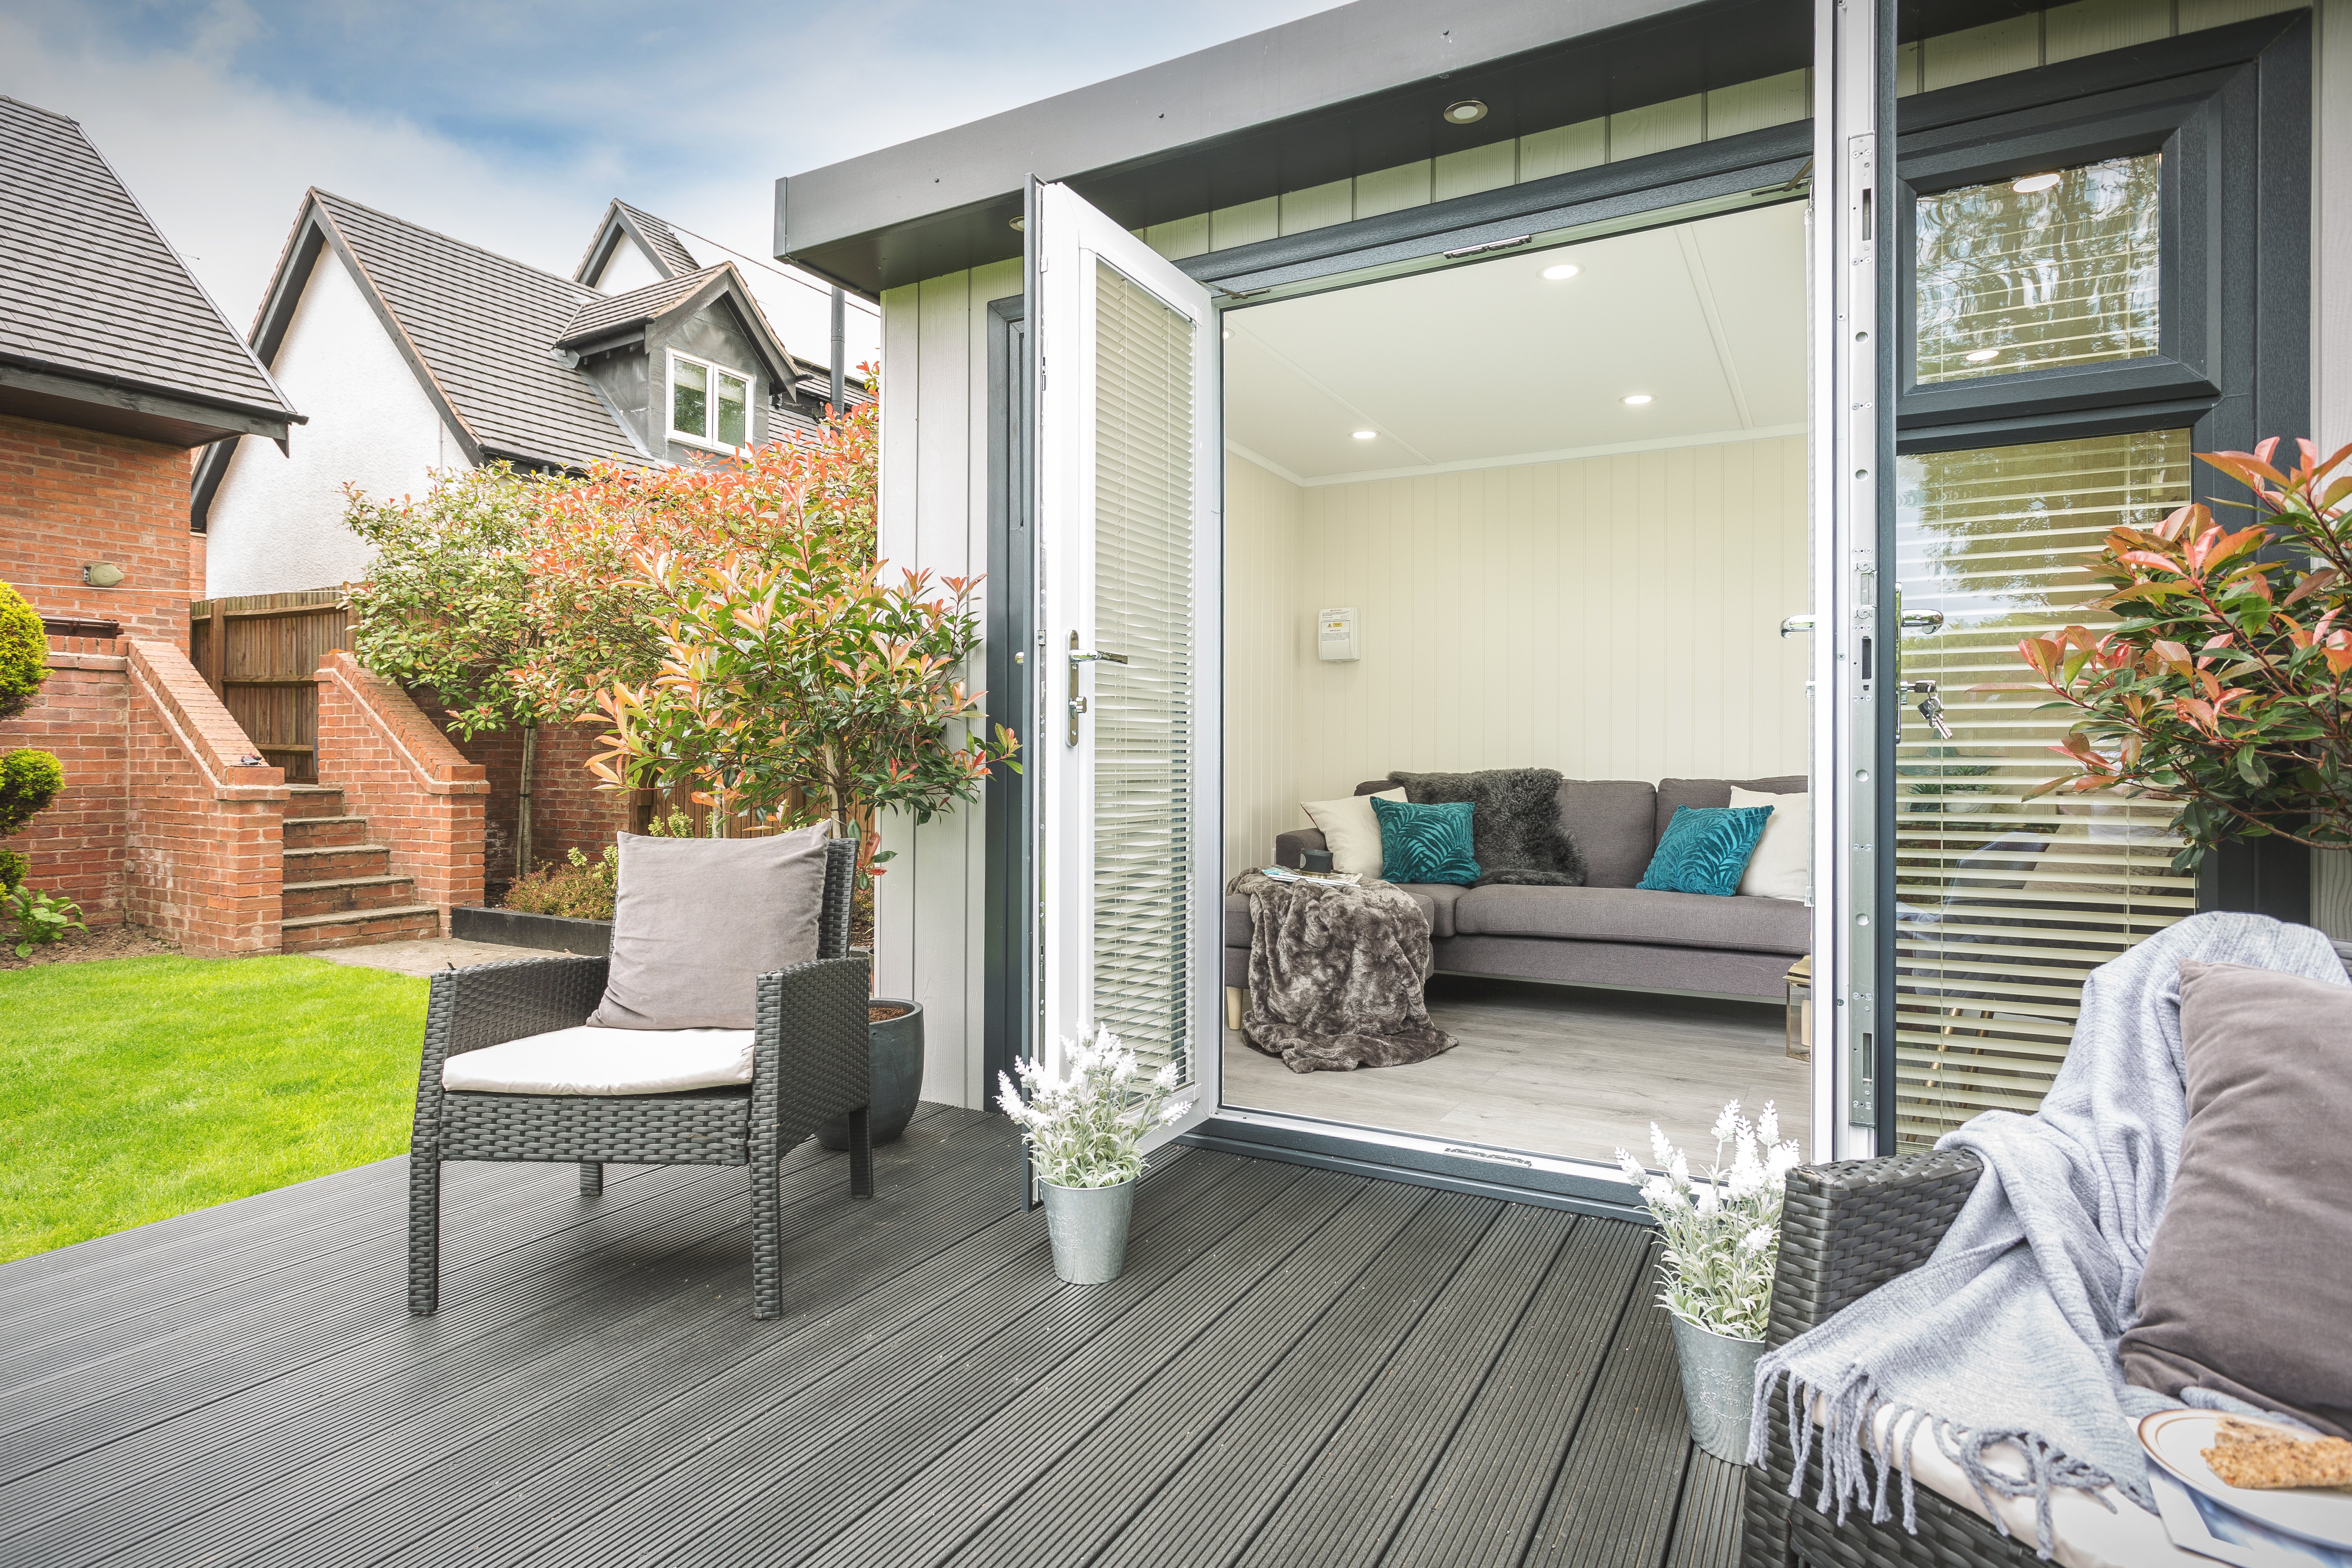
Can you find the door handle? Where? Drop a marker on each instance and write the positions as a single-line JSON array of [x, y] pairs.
[[1077, 704], [1923, 620], [1796, 624]]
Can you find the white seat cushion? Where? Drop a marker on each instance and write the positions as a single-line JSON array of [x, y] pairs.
[[590, 1060]]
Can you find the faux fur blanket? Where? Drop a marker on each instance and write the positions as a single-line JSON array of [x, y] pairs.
[[1335, 976], [1515, 828]]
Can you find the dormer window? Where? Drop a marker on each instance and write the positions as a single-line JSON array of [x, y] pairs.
[[709, 407]]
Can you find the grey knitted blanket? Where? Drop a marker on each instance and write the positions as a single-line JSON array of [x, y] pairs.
[[2004, 1342]]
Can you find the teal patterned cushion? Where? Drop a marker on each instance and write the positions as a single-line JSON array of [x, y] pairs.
[[1704, 849], [1426, 843]]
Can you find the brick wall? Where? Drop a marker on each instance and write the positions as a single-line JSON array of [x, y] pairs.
[[79, 713], [420, 794], [201, 835], [69, 497], [567, 808]]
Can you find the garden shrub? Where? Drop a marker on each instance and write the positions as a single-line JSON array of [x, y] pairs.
[[23, 653], [582, 891], [13, 867], [29, 780]]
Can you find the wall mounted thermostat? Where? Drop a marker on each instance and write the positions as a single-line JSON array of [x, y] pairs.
[[1334, 635]]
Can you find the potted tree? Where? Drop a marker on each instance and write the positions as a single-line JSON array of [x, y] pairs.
[[797, 684], [1722, 1240], [2223, 686], [1082, 1130]]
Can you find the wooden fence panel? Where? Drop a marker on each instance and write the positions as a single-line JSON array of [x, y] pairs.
[[261, 668]]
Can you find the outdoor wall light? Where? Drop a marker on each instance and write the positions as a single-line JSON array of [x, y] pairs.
[[1565, 269], [1978, 356], [1467, 111], [102, 574], [1366, 434], [2032, 184], [1634, 399]]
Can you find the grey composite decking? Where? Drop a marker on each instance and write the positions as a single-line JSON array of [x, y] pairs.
[[1297, 1367]]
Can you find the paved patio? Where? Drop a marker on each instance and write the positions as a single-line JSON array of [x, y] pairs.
[[1298, 1367]]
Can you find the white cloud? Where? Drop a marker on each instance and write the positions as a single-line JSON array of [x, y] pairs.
[[509, 124]]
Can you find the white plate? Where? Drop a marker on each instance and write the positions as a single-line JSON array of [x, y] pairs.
[[2173, 1439]]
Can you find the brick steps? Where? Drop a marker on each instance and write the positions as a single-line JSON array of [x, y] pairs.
[[401, 923], [340, 890]]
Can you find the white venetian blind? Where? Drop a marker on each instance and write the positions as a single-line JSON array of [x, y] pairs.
[[1142, 710], [2010, 280], [2004, 904]]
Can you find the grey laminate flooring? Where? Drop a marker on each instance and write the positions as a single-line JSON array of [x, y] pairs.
[[1297, 1367], [1555, 1070]]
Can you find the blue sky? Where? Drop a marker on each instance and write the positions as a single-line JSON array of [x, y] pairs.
[[511, 124]]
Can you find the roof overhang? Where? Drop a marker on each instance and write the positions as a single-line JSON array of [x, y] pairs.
[[87, 401], [1346, 92]]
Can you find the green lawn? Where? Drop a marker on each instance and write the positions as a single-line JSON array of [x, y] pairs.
[[135, 1089]]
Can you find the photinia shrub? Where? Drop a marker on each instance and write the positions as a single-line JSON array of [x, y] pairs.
[[2223, 686]]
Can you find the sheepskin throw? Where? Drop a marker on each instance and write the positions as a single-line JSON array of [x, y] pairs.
[[1335, 976], [1515, 828]]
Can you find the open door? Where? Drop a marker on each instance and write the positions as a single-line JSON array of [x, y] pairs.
[[1130, 635]]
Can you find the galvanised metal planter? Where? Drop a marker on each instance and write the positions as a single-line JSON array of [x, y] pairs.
[[895, 1058], [1718, 1388], [1088, 1225]]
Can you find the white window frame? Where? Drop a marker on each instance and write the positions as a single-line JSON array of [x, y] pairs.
[[714, 370]]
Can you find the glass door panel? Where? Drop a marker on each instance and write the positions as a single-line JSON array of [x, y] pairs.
[[2003, 904]]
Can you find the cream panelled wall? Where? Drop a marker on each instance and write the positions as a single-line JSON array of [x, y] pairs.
[[928, 911], [1612, 617]]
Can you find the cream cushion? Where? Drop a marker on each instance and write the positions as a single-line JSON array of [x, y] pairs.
[[1781, 866], [585, 1059], [1350, 831]]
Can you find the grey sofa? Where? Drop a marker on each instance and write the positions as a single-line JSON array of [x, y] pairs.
[[1607, 932]]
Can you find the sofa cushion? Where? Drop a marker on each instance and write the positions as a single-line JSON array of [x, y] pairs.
[[1629, 914], [2250, 1272], [585, 1059], [1706, 849], [1350, 831], [1425, 843], [1614, 822], [1674, 792], [1436, 901], [1237, 919]]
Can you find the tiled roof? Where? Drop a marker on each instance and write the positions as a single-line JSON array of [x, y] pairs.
[[485, 328], [669, 249], [605, 314], [89, 287]]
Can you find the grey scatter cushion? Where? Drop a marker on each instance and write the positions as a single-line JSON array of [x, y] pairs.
[[1516, 833], [2248, 1288], [697, 921]]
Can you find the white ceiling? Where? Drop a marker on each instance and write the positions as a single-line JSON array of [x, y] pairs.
[[1478, 365]]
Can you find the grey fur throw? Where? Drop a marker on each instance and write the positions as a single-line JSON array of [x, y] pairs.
[[1515, 828], [1335, 976]]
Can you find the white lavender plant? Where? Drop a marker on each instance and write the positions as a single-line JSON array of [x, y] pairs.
[[1722, 1230], [1083, 1128]]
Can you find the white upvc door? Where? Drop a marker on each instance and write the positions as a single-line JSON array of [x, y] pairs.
[[1130, 639]]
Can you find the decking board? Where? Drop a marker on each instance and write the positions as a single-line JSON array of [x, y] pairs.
[[1298, 1367]]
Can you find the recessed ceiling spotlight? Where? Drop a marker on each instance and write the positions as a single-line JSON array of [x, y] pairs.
[[1467, 111], [1020, 225], [1978, 356], [1366, 434], [1634, 399], [1564, 270], [2032, 184]]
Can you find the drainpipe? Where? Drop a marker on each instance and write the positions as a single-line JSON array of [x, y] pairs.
[[838, 335]]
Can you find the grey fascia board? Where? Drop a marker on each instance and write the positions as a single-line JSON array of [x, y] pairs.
[[72, 384], [1316, 62]]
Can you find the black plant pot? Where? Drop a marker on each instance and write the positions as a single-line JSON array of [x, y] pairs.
[[895, 1049]]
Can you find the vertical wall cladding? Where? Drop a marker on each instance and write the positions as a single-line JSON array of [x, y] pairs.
[[421, 796], [203, 838], [71, 497], [928, 906], [620, 375], [75, 847]]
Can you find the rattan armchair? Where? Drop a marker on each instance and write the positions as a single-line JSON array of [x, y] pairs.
[[1848, 1229], [810, 1064]]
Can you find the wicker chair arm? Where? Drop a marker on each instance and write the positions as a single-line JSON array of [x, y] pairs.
[[470, 1009], [1849, 1227], [811, 1057]]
